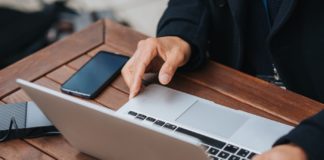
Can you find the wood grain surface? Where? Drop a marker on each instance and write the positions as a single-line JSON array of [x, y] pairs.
[[19, 149], [121, 37], [58, 147], [53, 65]]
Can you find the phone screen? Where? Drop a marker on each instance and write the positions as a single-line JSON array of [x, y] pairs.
[[95, 75]]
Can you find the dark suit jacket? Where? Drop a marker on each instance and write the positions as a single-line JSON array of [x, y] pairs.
[[231, 30]]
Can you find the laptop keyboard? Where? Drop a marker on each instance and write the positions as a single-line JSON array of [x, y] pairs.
[[216, 149]]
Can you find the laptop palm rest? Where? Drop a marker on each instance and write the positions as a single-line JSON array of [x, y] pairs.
[[215, 120], [259, 133]]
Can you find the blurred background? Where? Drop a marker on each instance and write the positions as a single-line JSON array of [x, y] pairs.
[[29, 25]]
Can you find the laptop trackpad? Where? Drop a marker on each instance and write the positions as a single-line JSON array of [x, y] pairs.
[[212, 119]]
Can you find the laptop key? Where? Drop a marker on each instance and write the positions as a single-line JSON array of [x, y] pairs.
[[159, 123], [230, 148], [213, 151], [243, 152], [132, 113], [233, 157], [223, 155], [251, 155], [150, 119], [170, 126], [141, 116]]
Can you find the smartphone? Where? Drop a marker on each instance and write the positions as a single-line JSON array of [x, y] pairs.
[[92, 78]]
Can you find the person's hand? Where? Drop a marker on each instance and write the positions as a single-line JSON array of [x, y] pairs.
[[283, 152], [174, 51]]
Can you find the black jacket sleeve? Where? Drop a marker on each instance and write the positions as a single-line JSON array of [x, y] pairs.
[[189, 20], [309, 135]]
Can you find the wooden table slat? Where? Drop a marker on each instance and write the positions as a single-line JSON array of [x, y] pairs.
[[103, 47], [79, 62], [61, 74], [18, 149], [112, 98], [257, 93], [17, 97], [120, 84], [58, 147], [122, 37], [47, 59], [21, 96]]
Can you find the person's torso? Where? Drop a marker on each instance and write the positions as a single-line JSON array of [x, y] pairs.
[[295, 45]]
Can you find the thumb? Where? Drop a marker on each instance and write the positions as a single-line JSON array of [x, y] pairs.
[[169, 68]]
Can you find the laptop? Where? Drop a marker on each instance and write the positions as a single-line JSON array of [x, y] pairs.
[[160, 123]]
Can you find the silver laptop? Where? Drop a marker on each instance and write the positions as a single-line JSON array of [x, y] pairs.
[[160, 123]]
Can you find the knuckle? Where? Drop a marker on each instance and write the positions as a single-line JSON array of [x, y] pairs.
[[140, 43], [127, 65], [148, 41], [180, 58], [151, 41]]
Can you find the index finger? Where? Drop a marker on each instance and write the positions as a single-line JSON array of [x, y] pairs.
[[143, 56]]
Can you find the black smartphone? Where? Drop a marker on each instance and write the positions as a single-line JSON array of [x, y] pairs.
[[92, 78]]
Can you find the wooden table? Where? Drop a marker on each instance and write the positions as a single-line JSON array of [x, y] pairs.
[[53, 65]]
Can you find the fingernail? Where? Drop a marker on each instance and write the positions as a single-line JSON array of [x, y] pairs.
[[165, 78]]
